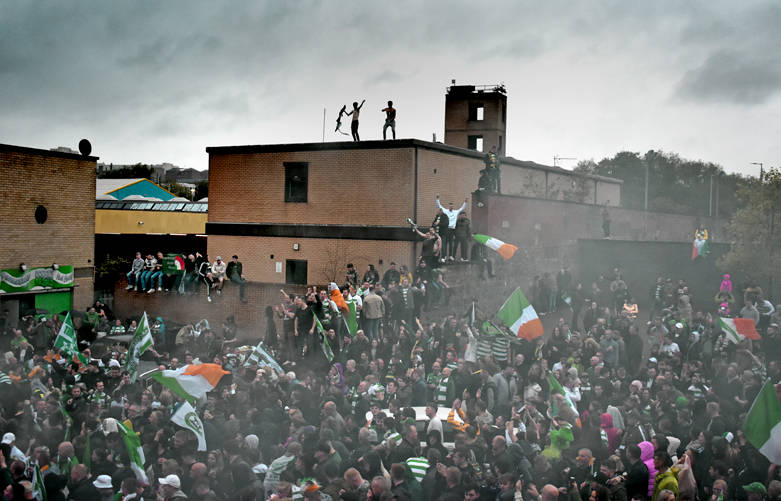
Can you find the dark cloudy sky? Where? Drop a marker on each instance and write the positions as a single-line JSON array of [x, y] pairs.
[[158, 81]]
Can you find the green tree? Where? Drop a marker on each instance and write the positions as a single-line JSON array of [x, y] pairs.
[[201, 190], [753, 233], [674, 184], [179, 190], [136, 171]]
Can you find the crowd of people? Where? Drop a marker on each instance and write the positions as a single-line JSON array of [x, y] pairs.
[[413, 401], [193, 272]]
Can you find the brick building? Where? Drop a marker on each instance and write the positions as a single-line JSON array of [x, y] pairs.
[[47, 217], [298, 213], [476, 117]]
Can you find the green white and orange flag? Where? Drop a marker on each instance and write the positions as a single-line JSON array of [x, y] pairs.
[[506, 250], [737, 329], [191, 382], [763, 423], [519, 315]]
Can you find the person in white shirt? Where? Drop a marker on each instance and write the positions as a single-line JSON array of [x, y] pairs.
[[669, 348], [218, 273], [449, 237]]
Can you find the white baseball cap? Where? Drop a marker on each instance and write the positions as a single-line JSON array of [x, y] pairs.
[[9, 438], [103, 482], [172, 480]]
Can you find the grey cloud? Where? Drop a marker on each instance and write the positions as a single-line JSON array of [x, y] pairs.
[[383, 77], [739, 78]]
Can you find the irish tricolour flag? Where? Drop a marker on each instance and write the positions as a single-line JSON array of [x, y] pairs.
[[506, 250], [763, 423], [191, 382], [519, 315], [737, 329]]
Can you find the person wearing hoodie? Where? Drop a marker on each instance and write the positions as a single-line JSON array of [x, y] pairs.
[[613, 434], [666, 477], [647, 456]]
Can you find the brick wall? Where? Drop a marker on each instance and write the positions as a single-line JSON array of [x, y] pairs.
[[65, 185], [325, 257], [372, 187], [531, 222]]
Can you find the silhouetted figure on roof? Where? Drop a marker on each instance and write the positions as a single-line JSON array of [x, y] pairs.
[[390, 120], [356, 111]]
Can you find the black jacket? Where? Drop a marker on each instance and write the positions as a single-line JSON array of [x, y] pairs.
[[637, 481]]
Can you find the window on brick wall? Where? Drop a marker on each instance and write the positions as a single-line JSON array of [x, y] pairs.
[[476, 111], [295, 271], [296, 181], [475, 143]]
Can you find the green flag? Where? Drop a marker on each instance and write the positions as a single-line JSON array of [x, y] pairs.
[[142, 340], [134, 451], [555, 388], [39, 490], [351, 318], [763, 423], [67, 342], [327, 351]]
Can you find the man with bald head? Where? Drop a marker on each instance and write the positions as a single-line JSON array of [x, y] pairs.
[[198, 471], [550, 493]]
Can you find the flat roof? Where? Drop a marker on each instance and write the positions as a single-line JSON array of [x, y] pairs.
[[391, 144], [45, 153]]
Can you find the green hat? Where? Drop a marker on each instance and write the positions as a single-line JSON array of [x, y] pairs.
[[681, 402], [755, 488]]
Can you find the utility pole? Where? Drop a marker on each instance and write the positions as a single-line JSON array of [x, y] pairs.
[[761, 171], [323, 124]]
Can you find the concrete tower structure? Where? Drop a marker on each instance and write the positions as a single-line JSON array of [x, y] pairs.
[[476, 117]]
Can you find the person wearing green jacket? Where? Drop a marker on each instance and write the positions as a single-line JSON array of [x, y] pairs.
[[666, 477]]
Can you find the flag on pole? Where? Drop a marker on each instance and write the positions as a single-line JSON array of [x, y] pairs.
[[142, 340], [327, 351], [556, 388], [39, 490], [134, 450], [263, 358], [738, 329], [504, 249], [351, 317], [191, 382], [519, 315], [67, 342], [763, 423], [187, 418], [338, 298]]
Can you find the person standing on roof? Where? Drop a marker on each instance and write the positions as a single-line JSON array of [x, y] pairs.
[[356, 111]]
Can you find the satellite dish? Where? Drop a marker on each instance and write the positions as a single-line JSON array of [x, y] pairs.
[[85, 147]]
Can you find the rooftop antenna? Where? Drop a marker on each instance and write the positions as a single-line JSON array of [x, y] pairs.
[[557, 158]]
